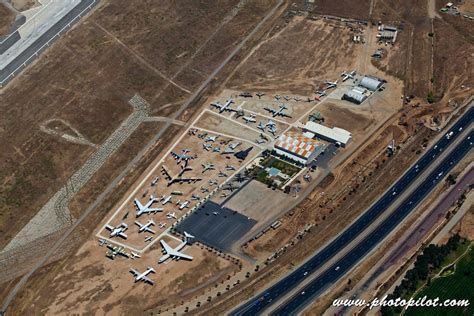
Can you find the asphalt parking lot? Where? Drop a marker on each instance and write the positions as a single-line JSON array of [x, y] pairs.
[[215, 226]]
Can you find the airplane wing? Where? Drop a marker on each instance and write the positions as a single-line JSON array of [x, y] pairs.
[[165, 246], [166, 173], [148, 229], [123, 235], [153, 210], [109, 227], [146, 279], [134, 272], [138, 203], [180, 255]]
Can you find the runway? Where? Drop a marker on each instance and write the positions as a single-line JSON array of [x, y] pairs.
[[23, 59], [337, 270]]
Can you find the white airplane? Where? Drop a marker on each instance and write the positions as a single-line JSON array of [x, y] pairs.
[[118, 230], [195, 197], [215, 213], [143, 276], [134, 255], [261, 126], [229, 167], [279, 112], [211, 138], [330, 84], [321, 93], [183, 205], [183, 156], [206, 147], [234, 145], [231, 148], [171, 215], [149, 238], [145, 227], [347, 75], [223, 107], [162, 225], [165, 199], [155, 181], [216, 150], [147, 209], [213, 182], [222, 174], [174, 253], [249, 119]]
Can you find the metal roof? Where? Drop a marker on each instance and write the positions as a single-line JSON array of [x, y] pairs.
[[336, 134], [298, 144], [370, 83], [356, 95]]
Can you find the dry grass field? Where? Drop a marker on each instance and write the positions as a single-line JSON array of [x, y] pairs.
[[6, 19]]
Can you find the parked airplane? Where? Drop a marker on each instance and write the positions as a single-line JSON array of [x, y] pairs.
[[259, 141], [148, 238], [179, 177], [183, 205], [162, 225], [134, 255], [165, 199], [208, 166], [260, 94], [229, 187], [147, 209], [346, 75], [211, 138], [321, 93], [204, 190], [224, 194], [143, 276], [330, 84], [213, 182], [249, 119], [277, 97], [229, 167], [297, 99], [287, 98], [118, 230], [195, 197], [261, 126], [223, 107], [216, 150], [183, 156], [115, 251], [222, 174], [171, 215], [231, 148], [206, 147], [145, 227], [262, 136], [272, 129], [279, 112], [103, 242], [174, 253], [215, 213], [155, 181]]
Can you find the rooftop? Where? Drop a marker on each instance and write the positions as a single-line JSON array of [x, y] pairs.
[[298, 144]]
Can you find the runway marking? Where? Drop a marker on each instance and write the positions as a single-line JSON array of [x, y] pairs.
[[141, 59]]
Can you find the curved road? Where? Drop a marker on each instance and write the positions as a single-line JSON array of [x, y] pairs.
[[283, 287]]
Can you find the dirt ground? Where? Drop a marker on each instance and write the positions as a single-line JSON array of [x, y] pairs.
[[23, 5], [94, 283], [466, 225], [467, 7], [6, 19], [306, 53], [344, 8], [87, 78]]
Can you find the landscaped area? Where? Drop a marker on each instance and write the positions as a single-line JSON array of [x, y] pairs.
[[275, 172]]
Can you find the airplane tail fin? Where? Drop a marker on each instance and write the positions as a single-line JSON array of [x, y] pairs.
[[188, 235]]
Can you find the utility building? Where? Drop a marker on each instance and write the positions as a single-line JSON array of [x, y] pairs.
[[335, 135], [371, 83], [356, 95], [298, 148]]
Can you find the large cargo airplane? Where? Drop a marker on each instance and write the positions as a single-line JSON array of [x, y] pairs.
[[174, 253]]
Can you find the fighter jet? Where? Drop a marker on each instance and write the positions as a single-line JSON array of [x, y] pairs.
[[321, 93], [223, 107], [115, 251], [171, 215], [260, 94], [202, 135], [154, 181], [213, 182], [231, 148], [297, 99], [183, 156], [165, 199], [261, 126], [346, 75], [182, 205], [262, 136], [143, 276], [208, 166], [229, 187], [272, 129], [211, 138], [249, 119], [279, 112], [118, 230], [148, 238], [224, 194], [277, 97], [146, 209], [330, 84], [287, 98], [195, 197], [174, 253], [229, 167], [206, 147], [162, 225], [179, 177], [103, 242], [204, 190], [145, 227], [222, 174], [216, 150]]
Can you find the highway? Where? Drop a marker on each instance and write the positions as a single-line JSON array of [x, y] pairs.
[[49, 36], [262, 301]]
